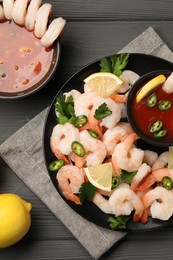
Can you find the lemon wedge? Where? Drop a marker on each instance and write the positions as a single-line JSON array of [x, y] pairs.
[[149, 86], [100, 176], [103, 83], [170, 158]]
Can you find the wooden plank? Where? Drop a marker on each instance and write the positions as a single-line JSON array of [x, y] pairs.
[[113, 10]]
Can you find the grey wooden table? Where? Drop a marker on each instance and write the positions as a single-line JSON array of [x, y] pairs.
[[94, 29]]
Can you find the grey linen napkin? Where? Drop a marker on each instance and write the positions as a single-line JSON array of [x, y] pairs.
[[32, 170]]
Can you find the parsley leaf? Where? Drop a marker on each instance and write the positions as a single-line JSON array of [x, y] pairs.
[[115, 64], [127, 176], [102, 111], [119, 222], [65, 108], [86, 192]]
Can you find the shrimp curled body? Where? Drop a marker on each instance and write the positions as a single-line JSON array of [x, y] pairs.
[[123, 201], [62, 137], [126, 156], [160, 202], [70, 179]]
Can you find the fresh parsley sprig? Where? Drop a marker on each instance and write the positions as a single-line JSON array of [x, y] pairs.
[[65, 108], [86, 192], [115, 64], [102, 111], [127, 176], [119, 222]]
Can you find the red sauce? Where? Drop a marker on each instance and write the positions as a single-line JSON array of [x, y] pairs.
[[145, 116], [24, 61]]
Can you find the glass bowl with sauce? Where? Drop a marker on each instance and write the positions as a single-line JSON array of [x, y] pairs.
[[25, 64], [152, 117]]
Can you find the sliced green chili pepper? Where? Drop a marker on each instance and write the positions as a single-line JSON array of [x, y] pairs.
[[160, 133], [164, 105], [56, 165], [156, 126], [78, 148], [115, 182], [81, 121], [93, 134], [152, 100], [167, 183]]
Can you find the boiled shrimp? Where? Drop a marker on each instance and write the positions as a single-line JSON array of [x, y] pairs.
[[19, 11], [102, 203], [8, 7], [115, 135], [143, 171], [150, 157], [84, 103], [129, 77], [168, 84], [161, 161], [160, 201], [41, 20], [126, 156], [53, 31], [95, 150], [31, 14], [70, 179], [111, 120], [155, 176], [74, 93], [61, 138], [123, 201], [2, 15]]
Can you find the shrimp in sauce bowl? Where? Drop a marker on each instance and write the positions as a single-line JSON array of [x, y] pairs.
[[26, 63]]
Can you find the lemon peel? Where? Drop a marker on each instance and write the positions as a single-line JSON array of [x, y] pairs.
[[15, 219]]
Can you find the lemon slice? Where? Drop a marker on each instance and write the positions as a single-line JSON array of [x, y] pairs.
[[100, 176], [149, 86], [170, 158], [104, 83]]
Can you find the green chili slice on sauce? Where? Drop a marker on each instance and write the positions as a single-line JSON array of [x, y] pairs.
[[156, 126], [164, 105], [151, 100], [160, 133], [115, 182], [167, 183], [56, 165], [81, 121], [78, 148], [93, 134]]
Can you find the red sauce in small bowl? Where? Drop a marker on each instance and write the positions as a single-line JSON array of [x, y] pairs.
[[145, 116], [24, 61], [142, 117]]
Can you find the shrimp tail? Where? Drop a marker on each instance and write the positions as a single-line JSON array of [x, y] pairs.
[[73, 198], [146, 183], [144, 217], [60, 155], [115, 166], [136, 217], [118, 98], [79, 161]]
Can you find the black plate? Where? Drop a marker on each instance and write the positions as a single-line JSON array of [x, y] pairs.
[[141, 64]]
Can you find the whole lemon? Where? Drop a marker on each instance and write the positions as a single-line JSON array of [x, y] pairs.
[[15, 219]]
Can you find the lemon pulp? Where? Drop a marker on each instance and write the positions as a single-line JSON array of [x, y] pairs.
[[103, 83], [100, 176]]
